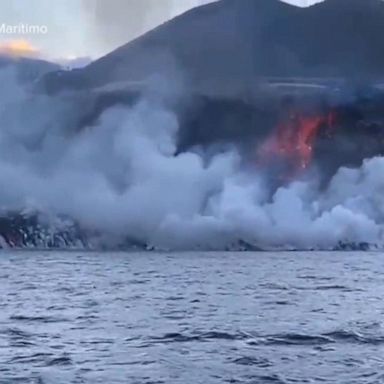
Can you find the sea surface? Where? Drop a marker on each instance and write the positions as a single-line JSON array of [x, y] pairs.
[[69, 317]]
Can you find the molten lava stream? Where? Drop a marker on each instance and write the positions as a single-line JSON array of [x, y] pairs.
[[292, 142]]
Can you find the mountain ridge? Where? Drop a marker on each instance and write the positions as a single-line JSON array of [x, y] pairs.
[[240, 41]]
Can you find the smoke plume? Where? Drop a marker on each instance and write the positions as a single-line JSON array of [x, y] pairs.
[[124, 178], [116, 22]]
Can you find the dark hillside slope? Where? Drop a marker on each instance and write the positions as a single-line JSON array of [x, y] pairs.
[[232, 43]]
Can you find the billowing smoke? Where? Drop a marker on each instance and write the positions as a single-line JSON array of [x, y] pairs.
[[116, 22], [124, 178]]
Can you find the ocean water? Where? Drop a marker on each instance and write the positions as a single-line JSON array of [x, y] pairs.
[[69, 317]]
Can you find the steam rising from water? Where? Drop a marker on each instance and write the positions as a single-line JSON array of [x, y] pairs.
[[123, 178]]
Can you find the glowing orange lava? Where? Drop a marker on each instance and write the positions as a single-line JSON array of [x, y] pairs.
[[18, 48], [293, 141]]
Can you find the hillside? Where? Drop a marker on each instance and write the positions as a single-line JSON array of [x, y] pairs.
[[232, 43], [27, 69]]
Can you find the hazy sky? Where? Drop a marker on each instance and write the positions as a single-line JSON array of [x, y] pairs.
[[76, 28]]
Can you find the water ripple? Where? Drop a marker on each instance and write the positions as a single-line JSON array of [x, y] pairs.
[[74, 318]]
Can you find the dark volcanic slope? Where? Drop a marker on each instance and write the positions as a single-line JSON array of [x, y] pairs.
[[231, 42], [336, 38], [27, 70]]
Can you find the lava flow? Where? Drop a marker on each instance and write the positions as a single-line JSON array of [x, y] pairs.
[[291, 144]]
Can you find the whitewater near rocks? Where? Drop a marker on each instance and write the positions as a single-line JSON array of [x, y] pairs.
[[151, 158], [121, 183]]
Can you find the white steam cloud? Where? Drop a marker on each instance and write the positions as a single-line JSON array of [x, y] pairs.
[[116, 22], [123, 178]]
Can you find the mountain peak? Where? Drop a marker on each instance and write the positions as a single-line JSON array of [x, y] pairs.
[[240, 41]]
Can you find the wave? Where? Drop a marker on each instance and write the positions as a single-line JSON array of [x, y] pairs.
[[280, 339]]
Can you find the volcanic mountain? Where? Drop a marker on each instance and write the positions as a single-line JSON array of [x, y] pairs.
[[247, 49], [232, 43], [306, 117]]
